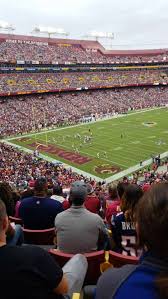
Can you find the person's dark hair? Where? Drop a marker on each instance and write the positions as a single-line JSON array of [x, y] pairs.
[[15, 196], [49, 192], [130, 199], [57, 190], [40, 185], [152, 220], [121, 188], [112, 190], [27, 193], [2, 212], [7, 197]]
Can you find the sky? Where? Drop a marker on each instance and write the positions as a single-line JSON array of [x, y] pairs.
[[136, 24]]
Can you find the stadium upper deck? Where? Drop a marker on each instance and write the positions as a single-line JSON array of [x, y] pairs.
[[13, 84], [19, 49]]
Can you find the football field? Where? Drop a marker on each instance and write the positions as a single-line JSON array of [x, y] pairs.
[[106, 147]]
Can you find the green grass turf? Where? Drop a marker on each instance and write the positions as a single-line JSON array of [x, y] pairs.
[[139, 142]]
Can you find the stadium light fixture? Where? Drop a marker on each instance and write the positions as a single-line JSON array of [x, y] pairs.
[[100, 34], [49, 31], [5, 26]]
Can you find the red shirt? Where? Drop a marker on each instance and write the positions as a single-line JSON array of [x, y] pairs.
[[146, 187], [112, 209], [66, 205], [92, 203]]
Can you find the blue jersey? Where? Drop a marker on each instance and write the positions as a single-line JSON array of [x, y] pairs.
[[39, 213], [124, 235], [133, 282]]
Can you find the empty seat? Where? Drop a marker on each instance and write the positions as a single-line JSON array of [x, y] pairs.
[[118, 260], [15, 220]]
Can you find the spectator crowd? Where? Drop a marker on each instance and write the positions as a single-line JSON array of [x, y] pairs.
[[20, 114], [69, 53], [26, 82]]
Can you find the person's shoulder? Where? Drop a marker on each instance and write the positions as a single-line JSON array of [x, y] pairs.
[[113, 206], [93, 197], [111, 279], [96, 199], [27, 252], [53, 203], [26, 200], [114, 202], [119, 217], [87, 212], [63, 214], [110, 206], [93, 216], [118, 272], [30, 249], [35, 253]]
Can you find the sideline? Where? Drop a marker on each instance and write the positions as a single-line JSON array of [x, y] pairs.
[[132, 169], [50, 159], [108, 180]]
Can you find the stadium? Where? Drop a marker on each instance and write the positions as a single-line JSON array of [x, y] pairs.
[[97, 86], [83, 153]]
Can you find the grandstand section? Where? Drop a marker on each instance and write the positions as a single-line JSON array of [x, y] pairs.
[[12, 84], [21, 114], [35, 50]]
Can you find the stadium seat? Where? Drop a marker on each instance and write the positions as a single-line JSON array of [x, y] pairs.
[[106, 264], [39, 237], [112, 259], [94, 260], [76, 296], [118, 260], [15, 220]]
